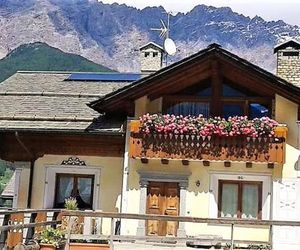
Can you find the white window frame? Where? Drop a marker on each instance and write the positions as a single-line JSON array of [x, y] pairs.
[[214, 178], [50, 181]]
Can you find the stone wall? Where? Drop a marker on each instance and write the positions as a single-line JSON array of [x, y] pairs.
[[288, 67], [151, 60]]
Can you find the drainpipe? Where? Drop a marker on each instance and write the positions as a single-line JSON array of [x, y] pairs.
[[31, 167], [125, 173]]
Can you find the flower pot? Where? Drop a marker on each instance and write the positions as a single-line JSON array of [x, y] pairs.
[[44, 246], [88, 246]]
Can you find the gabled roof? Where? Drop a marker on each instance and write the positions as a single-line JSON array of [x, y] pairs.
[[214, 52], [289, 43], [152, 44]]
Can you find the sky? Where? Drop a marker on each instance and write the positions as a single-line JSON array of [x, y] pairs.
[[286, 10]]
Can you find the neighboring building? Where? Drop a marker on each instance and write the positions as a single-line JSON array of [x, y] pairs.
[[288, 61], [7, 194], [95, 152]]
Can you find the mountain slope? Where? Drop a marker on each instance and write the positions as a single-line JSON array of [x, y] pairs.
[[110, 34], [42, 57]]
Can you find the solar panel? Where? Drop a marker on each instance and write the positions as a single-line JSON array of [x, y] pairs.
[[104, 77]]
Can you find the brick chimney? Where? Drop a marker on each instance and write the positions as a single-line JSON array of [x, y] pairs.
[[151, 58], [288, 61]]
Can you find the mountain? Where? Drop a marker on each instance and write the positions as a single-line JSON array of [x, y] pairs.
[[110, 34], [42, 57]]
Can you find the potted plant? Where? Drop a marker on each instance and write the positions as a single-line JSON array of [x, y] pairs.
[[76, 227], [50, 238]]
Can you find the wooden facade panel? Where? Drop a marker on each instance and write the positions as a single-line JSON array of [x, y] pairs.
[[40, 144]]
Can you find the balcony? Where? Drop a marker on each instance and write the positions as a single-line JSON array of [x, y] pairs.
[[208, 148]]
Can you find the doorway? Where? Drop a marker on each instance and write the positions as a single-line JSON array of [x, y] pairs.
[[162, 199]]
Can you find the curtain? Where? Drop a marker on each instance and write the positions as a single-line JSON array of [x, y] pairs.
[[189, 108], [250, 201], [85, 189], [65, 188], [229, 200]]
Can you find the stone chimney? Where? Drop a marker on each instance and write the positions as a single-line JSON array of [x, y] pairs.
[[151, 58], [288, 61]]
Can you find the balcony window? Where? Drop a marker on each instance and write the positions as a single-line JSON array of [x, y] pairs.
[[257, 110], [238, 199], [232, 110], [189, 108], [229, 91], [77, 186]]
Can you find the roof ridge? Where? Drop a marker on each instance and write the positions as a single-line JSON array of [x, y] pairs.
[[71, 72], [48, 94]]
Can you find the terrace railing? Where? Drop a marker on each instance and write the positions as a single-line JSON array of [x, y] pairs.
[[232, 241], [208, 148], [20, 225]]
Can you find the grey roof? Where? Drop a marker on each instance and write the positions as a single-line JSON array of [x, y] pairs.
[[44, 101], [290, 42]]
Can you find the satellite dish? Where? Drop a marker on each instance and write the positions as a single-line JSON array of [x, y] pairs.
[[170, 46]]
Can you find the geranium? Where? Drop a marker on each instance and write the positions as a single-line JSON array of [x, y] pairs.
[[198, 125]]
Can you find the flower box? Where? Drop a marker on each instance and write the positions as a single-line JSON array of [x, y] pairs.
[[88, 246], [236, 139]]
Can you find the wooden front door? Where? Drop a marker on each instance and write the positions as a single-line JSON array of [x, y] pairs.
[[162, 199]]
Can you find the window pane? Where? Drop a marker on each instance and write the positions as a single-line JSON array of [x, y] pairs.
[[232, 110], [65, 187], [229, 200], [189, 108], [85, 192], [257, 110], [250, 201], [204, 92], [230, 91]]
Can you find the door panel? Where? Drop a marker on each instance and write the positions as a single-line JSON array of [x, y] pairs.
[[163, 199], [286, 206]]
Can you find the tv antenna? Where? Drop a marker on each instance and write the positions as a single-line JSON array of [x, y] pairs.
[[169, 44]]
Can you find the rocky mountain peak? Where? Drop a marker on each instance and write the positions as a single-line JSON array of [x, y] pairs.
[[110, 34]]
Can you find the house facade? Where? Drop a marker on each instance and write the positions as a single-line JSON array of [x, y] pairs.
[[81, 135]]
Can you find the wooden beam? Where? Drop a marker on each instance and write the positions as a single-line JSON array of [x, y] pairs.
[[180, 83], [206, 163], [216, 84], [185, 162], [144, 160], [248, 164], [227, 164], [164, 161]]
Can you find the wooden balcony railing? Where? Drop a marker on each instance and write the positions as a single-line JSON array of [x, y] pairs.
[[18, 226], [191, 147]]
